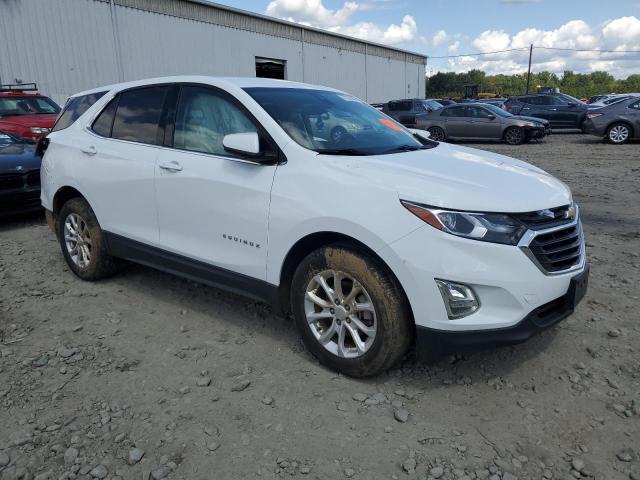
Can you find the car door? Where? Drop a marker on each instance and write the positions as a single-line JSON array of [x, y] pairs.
[[537, 106], [213, 206], [564, 113], [482, 123], [119, 156], [454, 121]]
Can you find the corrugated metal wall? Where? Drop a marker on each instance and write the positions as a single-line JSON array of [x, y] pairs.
[[71, 45]]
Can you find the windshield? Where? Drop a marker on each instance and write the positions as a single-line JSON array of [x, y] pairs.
[[497, 110], [333, 122], [6, 139], [432, 104], [27, 105], [571, 99]]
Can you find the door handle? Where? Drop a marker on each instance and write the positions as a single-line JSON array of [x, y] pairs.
[[171, 166], [526, 108], [90, 150]]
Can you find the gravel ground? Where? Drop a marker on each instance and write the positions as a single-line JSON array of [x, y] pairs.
[[150, 376]]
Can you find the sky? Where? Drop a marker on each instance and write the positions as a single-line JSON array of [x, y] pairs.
[[458, 27]]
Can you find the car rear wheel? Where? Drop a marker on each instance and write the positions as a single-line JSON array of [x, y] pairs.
[[618, 133], [437, 134], [351, 311], [82, 241], [514, 136]]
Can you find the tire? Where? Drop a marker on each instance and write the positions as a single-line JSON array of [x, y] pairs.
[[514, 135], [618, 133], [437, 134], [388, 322], [76, 216]]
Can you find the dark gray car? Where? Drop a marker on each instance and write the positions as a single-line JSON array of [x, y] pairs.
[[480, 121], [617, 123]]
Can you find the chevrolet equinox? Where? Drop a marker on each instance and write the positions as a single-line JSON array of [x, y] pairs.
[[373, 236]]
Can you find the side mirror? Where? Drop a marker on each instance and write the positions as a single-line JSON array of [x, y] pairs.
[[571, 104], [244, 144]]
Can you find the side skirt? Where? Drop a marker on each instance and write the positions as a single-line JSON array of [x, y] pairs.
[[191, 269]]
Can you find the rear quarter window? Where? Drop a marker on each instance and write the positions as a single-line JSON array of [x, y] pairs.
[[74, 108]]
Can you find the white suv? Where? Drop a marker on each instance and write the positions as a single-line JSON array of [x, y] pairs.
[[373, 236]]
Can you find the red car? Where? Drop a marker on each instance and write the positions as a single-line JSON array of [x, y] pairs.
[[25, 113]]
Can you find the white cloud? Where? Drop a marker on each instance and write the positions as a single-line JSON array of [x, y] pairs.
[[453, 48], [618, 34], [439, 38], [622, 33], [390, 35], [314, 13]]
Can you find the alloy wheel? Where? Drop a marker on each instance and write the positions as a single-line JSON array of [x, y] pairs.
[[618, 134], [77, 240], [513, 136], [436, 134], [340, 314]]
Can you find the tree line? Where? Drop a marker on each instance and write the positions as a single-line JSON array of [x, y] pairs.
[[579, 85]]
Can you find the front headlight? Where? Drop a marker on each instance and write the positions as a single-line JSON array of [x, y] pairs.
[[486, 227]]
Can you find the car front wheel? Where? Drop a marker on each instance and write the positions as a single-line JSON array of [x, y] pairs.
[[514, 136], [82, 241], [351, 311], [618, 133]]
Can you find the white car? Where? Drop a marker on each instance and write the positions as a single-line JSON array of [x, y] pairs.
[[375, 240]]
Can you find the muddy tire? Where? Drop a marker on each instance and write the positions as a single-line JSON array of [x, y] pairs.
[[352, 313], [82, 241], [514, 136]]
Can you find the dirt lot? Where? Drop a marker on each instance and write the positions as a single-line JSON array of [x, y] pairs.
[[205, 385]]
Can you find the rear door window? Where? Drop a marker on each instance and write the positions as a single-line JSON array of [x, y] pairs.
[[74, 108], [138, 115], [453, 112]]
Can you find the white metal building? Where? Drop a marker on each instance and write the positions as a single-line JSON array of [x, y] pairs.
[[71, 45]]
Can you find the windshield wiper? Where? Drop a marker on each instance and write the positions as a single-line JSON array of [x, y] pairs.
[[406, 148], [342, 151]]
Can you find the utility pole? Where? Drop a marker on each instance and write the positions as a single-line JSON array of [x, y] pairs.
[[529, 71]]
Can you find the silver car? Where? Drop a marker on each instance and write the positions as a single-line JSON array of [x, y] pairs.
[[617, 123], [480, 121]]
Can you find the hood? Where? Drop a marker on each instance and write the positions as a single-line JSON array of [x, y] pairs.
[[40, 120], [463, 178], [18, 155], [532, 119]]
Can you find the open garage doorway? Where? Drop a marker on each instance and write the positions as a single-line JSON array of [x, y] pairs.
[[270, 68]]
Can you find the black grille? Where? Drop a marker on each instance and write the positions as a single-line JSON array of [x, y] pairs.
[[9, 182], [543, 219], [558, 250], [33, 179]]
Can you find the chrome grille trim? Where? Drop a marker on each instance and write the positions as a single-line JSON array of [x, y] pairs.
[[526, 243]]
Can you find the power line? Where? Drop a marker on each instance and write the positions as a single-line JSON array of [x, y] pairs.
[[481, 53], [587, 50], [522, 49]]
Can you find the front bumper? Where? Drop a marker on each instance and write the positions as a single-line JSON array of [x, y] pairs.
[[20, 193], [508, 283], [534, 133], [432, 344]]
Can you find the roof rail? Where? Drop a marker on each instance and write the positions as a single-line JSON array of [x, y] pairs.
[[18, 87]]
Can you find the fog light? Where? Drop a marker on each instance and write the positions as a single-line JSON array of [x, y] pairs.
[[459, 299]]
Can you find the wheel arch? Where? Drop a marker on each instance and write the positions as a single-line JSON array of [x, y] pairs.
[[305, 245]]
